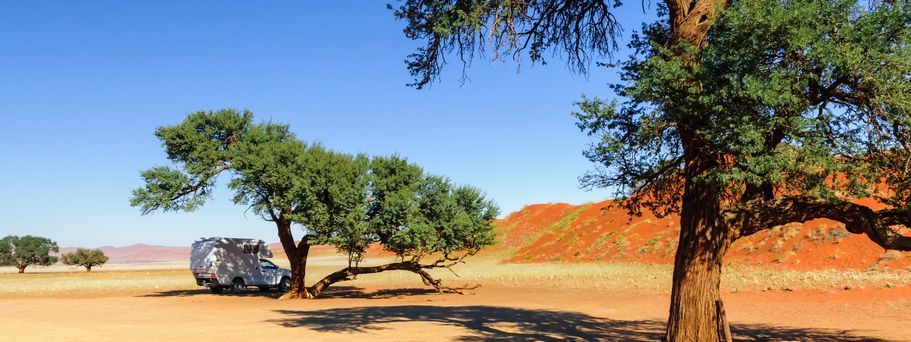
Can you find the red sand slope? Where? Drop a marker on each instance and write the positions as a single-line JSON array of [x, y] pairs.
[[599, 232]]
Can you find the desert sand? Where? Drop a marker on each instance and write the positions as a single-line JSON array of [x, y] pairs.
[[597, 301]]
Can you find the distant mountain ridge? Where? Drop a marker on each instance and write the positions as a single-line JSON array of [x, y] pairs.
[[140, 252]]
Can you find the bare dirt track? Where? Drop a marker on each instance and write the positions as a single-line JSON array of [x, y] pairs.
[[515, 304]]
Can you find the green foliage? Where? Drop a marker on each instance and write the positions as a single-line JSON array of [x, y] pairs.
[[84, 257], [394, 194], [441, 218], [580, 30], [347, 201], [797, 97], [205, 144], [27, 250]]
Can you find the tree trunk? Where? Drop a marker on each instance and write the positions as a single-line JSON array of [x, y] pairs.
[[88, 268], [297, 257], [21, 269], [299, 274], [696, 311]]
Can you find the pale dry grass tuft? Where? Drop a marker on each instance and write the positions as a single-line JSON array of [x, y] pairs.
[[632, 278]]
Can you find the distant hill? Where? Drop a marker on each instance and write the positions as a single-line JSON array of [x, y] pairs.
[[139, 252], [601, 232]]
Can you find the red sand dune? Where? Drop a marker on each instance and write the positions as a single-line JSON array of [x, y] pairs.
[[599, 232]]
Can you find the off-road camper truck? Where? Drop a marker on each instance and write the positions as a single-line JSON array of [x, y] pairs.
[[234, 263]]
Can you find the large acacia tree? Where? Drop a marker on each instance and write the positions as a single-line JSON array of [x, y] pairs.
[[24, 251], [771, 112], [348, 201]]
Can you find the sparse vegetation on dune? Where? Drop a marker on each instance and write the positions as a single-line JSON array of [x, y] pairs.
[[604, 233]]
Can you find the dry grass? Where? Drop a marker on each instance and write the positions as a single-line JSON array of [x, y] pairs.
[[633, 278], [43, 283]]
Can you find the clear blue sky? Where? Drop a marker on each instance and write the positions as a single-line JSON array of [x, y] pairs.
[[83, 84]]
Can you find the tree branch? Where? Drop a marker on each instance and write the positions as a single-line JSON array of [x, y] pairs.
[[751, 217], [349, 273]]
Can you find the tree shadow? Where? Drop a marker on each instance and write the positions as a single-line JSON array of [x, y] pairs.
[[332, 292], [488, 323], [763, 332], [357, 292], [205, 292], [492, 323]]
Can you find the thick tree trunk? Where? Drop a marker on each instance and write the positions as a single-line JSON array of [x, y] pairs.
[[299, 274], [21, 269], [696, 309], [88, 268], [297, 258]]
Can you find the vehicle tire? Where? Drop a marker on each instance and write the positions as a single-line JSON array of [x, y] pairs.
[[284, 285], [263, 289], [238, 285], [216, 289]]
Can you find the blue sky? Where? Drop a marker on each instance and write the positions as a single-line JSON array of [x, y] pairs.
[[85, 83]]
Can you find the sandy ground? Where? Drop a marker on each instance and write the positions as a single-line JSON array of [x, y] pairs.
[[531, 302]]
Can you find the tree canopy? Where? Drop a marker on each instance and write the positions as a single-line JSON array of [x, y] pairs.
[[807, 100], [84, 257], [24, 251], [348, 201], [739, 116], [579, 30]]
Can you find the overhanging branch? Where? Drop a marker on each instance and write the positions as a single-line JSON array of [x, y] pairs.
[[349, 273], [753, 216]]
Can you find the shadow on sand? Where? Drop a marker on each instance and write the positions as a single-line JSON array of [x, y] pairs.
[[205, 292], [357, 292], [491, 323], [332, 292]]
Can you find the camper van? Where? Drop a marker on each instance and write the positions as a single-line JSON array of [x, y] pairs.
[[231, 263]]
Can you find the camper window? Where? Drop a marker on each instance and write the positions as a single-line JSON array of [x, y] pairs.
[[251, 249]]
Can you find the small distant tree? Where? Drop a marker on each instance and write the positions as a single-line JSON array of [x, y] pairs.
[[27, 250], [348, 201], [84, 257]]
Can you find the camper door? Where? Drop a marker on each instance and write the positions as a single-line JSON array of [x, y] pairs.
[[251, 252]]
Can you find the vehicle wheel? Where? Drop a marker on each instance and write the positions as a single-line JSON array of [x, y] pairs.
[[238, 286], [264, 289], [216, 289], [285, 284]]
